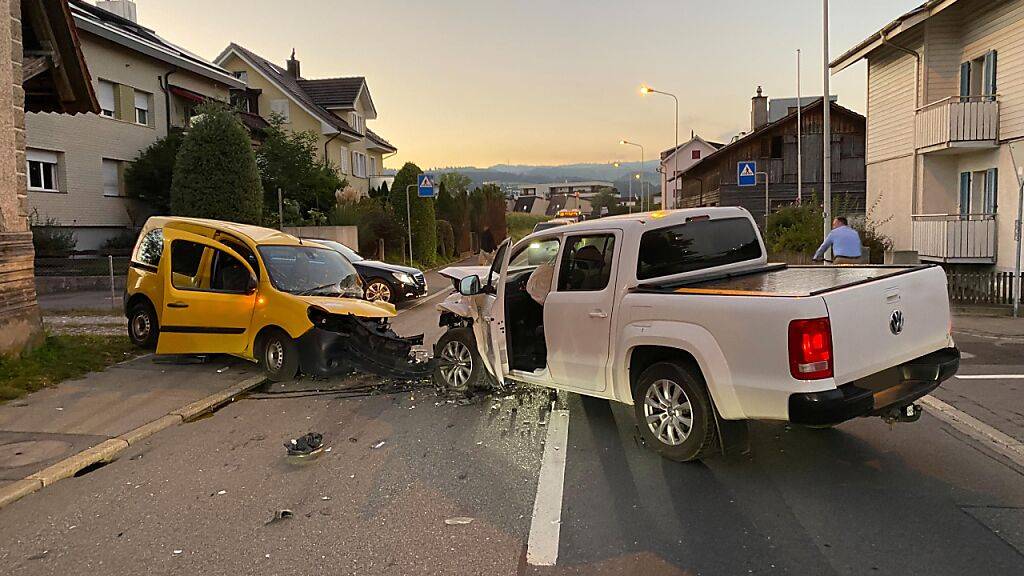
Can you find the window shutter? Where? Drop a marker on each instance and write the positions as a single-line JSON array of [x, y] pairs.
[[344, 160], [142, 100], [105, 95], [373, 166], [111, 178], [990, 73], [36, 155], [991, 190], [965, 193], [965, 79]]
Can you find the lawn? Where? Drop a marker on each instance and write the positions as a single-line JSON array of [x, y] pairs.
[[60, 358], [520, 224]]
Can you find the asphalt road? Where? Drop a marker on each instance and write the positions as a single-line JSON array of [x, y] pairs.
[[863, 498]]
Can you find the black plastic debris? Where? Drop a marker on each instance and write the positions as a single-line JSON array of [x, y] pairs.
[[280, 515], [305, 445]]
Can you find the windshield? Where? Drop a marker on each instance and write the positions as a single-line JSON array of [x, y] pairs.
[[347, 252], [308, 270]]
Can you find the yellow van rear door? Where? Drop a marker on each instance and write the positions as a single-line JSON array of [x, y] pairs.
[[208, 296]]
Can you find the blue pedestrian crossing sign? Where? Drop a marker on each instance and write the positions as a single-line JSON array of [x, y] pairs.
[[425, 186], [746, 173]]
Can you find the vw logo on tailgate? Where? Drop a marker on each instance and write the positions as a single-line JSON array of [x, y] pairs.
[[896, 322]]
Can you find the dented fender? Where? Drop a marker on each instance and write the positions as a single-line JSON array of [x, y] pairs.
[[341, 343]]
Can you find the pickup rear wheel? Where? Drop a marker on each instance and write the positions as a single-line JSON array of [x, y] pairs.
[[459, 367], [674, 412]]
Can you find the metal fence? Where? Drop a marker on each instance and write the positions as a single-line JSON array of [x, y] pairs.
[[987, 288], [83, 266]]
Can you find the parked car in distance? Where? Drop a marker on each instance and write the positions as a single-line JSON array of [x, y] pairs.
[[679, 314], [199, 286], [554, 222], [382, 281]]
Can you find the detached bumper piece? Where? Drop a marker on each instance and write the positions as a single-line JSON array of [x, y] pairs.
[[341, 344], [875, 394]]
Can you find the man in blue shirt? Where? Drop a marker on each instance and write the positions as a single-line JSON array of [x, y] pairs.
[[844, 241]]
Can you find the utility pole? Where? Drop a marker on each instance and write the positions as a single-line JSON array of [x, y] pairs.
[[408, 217], [826, 128], [766, 201], [280, 211], [799, 140]]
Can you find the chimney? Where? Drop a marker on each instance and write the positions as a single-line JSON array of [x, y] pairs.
[[758, 110], [294, 69], [123, 8]]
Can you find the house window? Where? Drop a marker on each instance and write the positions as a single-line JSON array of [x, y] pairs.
[[359, 164], [978, 76], [776, 147], [142, 108], [112, 178], [979, 192], [105, 94], [344, 161], [694, 154], [373, 166], [42, 170], [241, 75], [358, 122], [280, 107]]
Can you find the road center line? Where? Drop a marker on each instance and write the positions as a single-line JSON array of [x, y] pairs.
[[990, 376], [542, 547], [976, 429]]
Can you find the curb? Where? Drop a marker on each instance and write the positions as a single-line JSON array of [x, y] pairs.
[[108, 450]]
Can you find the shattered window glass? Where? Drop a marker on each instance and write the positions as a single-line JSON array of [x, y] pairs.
[[310, 270]]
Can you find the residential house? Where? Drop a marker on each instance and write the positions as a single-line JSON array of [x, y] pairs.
[[773, 146], [335, 109], [943, 129], [680, 159], [585, 189], [145, 85], [45, 72]]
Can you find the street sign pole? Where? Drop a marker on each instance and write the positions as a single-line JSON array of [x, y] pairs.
[[826, 105], [766, 204]]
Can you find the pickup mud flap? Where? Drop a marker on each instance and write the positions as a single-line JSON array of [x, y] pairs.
[[341, 344]]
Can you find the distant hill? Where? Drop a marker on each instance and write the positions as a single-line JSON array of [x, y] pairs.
[[534, 174]]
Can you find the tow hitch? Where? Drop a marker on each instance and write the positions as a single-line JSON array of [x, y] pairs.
[[908, 413]]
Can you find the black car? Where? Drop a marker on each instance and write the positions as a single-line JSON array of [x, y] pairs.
[[381, 281]]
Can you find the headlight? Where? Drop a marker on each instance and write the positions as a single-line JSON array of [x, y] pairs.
[[403, 277]]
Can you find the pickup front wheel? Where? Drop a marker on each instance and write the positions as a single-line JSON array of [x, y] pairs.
[[673, 412], [459, 367]]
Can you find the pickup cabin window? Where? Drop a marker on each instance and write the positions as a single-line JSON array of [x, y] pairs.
[[42, 170], [586, 263], [198, 267], [151, 248], [695, 246], [536, 253]]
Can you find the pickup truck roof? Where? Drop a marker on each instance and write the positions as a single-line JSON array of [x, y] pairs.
[[647, 220]]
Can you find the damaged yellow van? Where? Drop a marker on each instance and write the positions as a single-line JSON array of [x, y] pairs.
[[209, 287]]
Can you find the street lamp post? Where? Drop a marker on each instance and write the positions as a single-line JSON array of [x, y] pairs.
[[675, 151], [826, 105], [642, 194]]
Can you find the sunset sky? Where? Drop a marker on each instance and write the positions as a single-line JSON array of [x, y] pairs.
[[461, 82]]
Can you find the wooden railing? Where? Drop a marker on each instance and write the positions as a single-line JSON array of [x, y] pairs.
[[957, 119], [966, 238], [986, 288]]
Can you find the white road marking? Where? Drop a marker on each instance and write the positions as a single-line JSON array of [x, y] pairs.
[[990, 376], [966, 355], [426, 299], [542, 547], [971, 426]]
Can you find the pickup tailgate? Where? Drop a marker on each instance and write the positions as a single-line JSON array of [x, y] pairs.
[[867, 333]]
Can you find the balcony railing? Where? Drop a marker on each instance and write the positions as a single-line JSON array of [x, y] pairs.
[[959, 121], [955, 238]]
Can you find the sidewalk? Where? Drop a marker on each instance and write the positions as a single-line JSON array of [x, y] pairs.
[[989, 326], [53, 424]]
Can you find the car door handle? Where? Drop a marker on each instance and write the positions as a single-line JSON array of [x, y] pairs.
[[177, 305], [597, 314]]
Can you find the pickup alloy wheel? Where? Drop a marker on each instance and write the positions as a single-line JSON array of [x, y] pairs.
[[674, 412], [458, 365]]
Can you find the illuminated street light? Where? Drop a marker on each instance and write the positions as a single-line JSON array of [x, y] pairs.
[[643, 195], [645, 89]]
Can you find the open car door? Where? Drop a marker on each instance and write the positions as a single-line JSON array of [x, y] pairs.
[[209, 296], [497, 354]]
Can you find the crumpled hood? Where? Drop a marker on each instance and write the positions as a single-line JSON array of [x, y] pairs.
[[353, 306], [459, 272]]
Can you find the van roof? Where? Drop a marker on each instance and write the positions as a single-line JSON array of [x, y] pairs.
[[258, 234]]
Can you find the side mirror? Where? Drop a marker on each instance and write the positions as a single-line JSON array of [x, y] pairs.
[[250, 288], [470, 285]]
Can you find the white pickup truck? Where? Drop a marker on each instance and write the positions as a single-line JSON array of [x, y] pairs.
[[679, 314]]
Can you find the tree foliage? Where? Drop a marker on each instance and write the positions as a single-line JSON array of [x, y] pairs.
[[215, 175], [424, 231], [149, 177], [290, 161], [375, 222]]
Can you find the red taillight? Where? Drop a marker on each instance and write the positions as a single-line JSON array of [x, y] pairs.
[[810, 349]]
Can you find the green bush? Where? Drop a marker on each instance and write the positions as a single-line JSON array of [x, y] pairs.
[[521, 224], [424, 231], [215, 175], [123, 241], [149, 177], [375, 223], [50, 240], [795, 229], [291, 162], [445, 239]]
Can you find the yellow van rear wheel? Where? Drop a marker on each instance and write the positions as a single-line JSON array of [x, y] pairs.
[[279, 356], [143, 327]]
